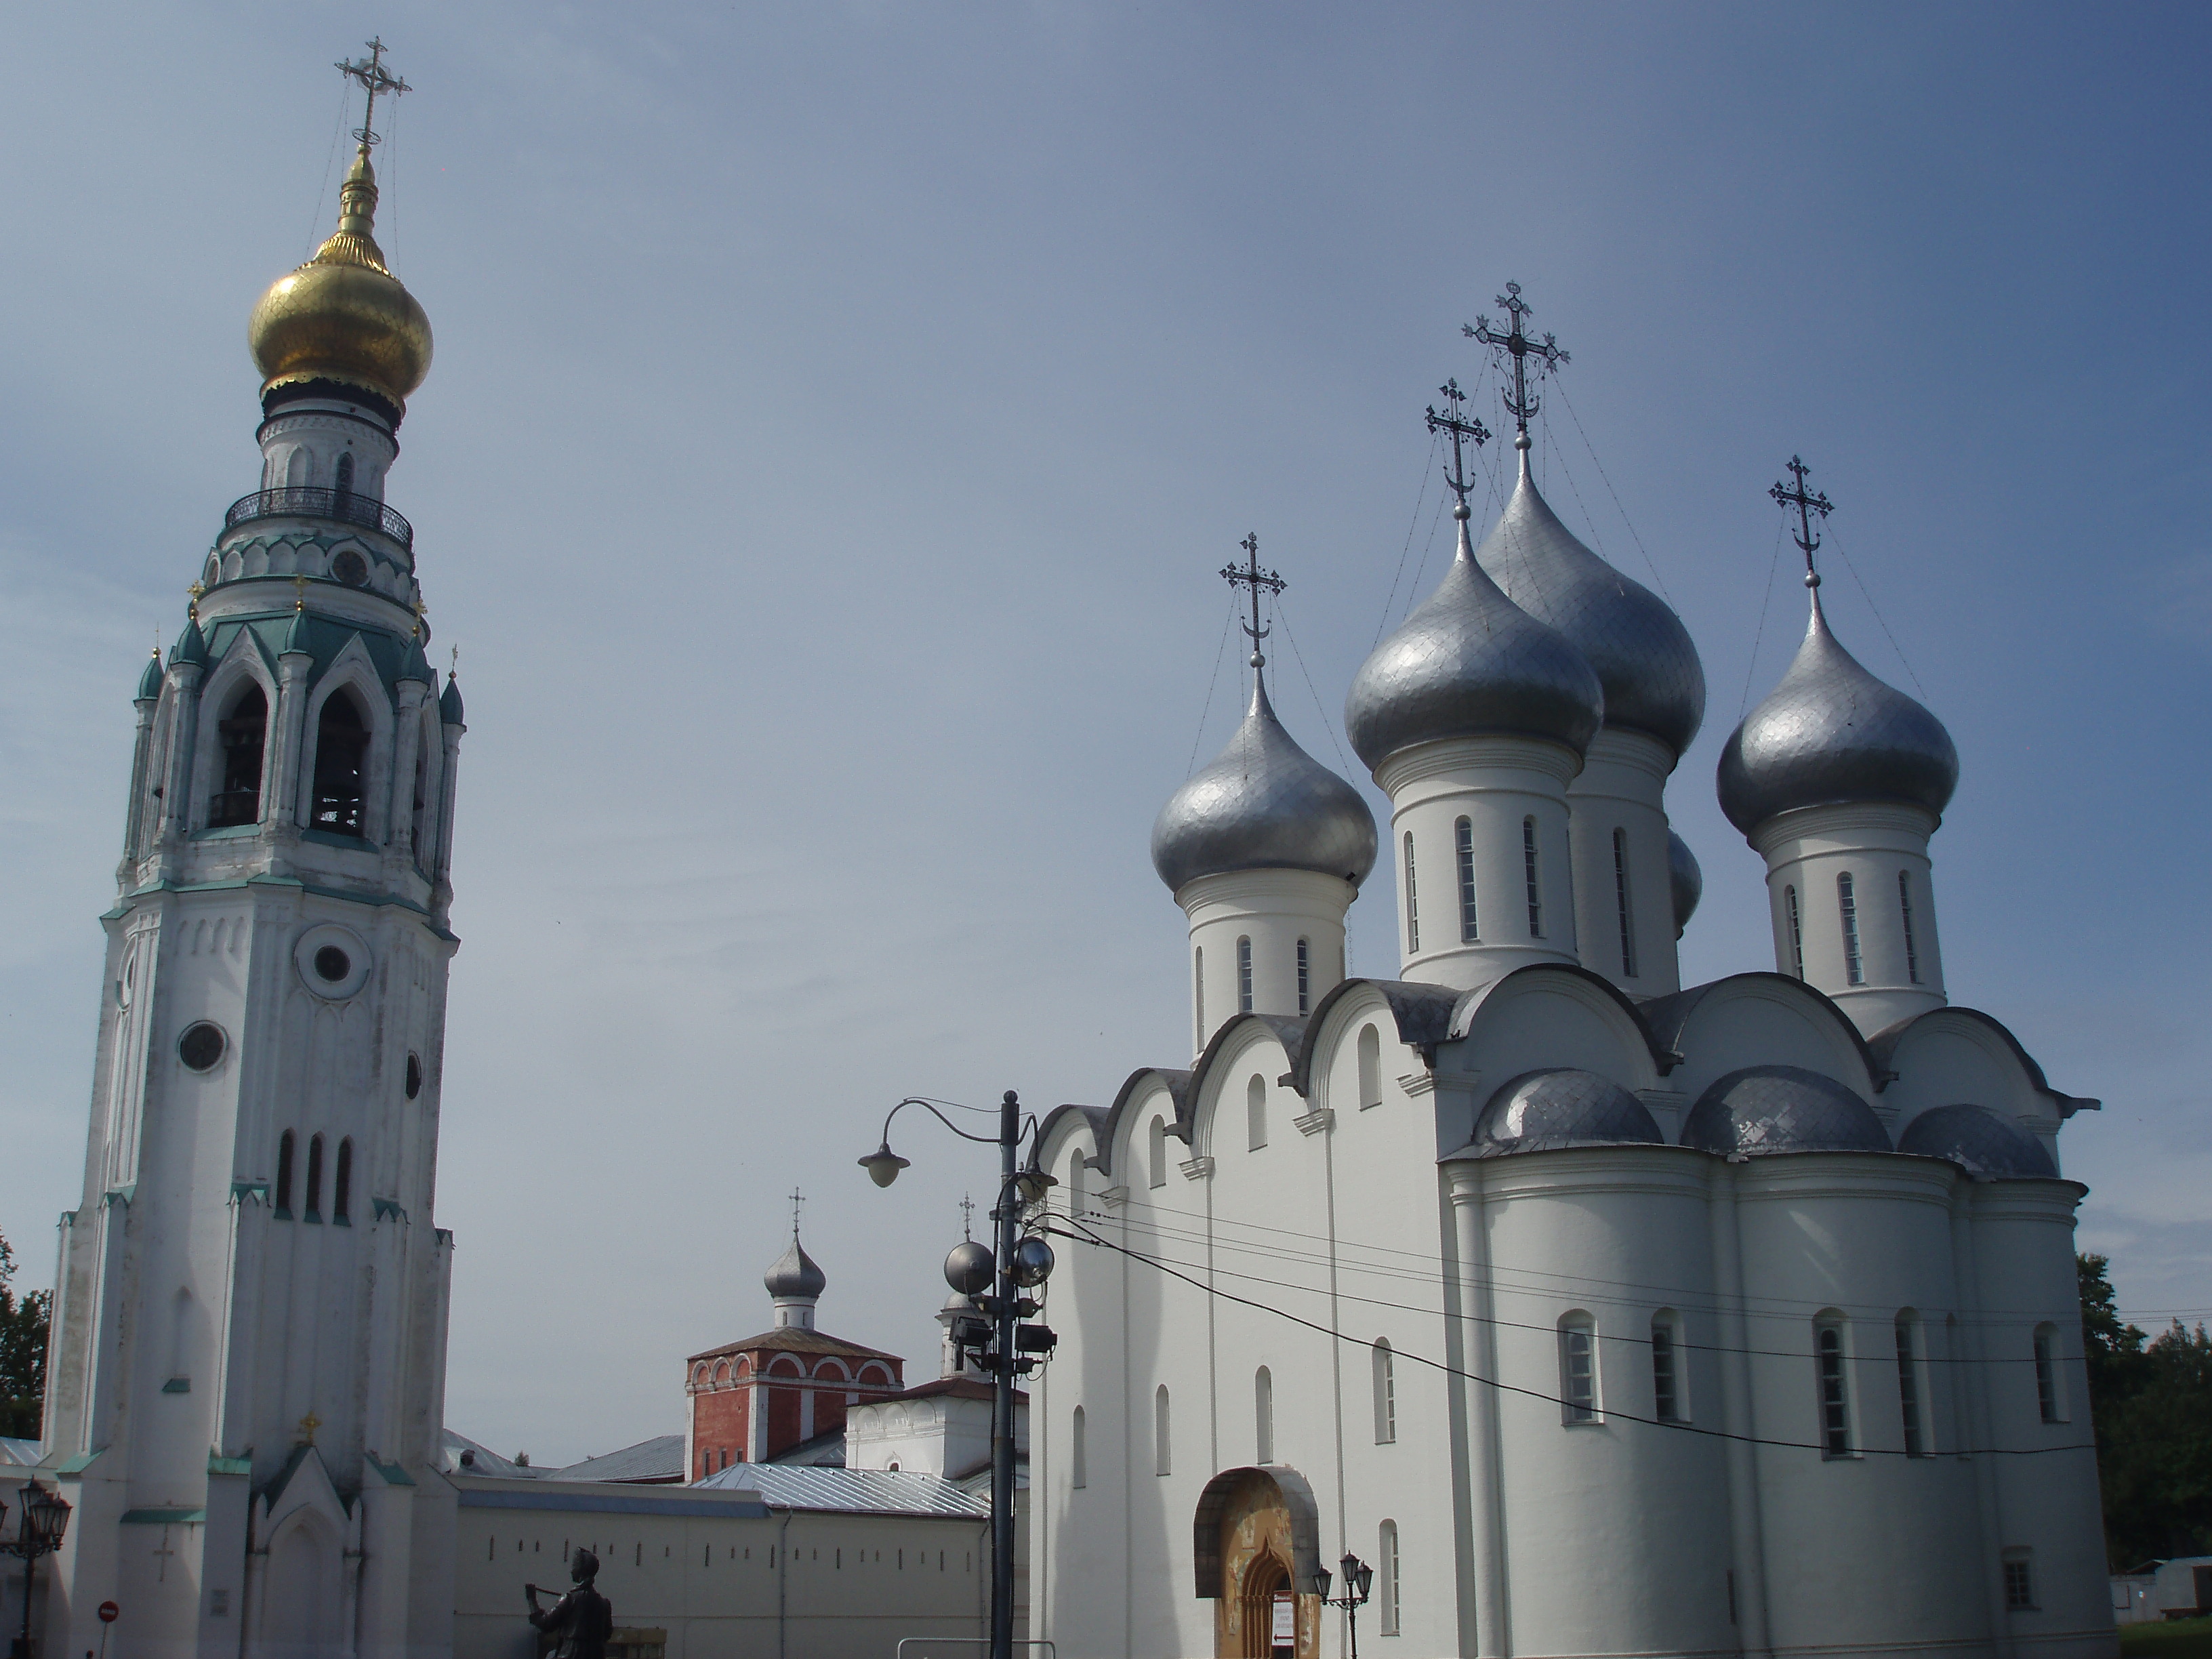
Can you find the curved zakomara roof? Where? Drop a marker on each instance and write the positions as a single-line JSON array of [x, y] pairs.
[[1886, 1045], [1669, 1019]]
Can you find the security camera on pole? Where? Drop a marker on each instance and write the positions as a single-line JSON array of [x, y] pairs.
[[1000, 1343]]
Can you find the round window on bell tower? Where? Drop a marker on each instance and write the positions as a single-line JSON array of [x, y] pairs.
[[350, 569], [333, 963], [202, 1045]]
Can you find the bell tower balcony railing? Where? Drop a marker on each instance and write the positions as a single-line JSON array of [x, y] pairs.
[[313, 502]]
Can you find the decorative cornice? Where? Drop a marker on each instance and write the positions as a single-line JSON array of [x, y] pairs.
[[1317, 1122], [1196, 1169]]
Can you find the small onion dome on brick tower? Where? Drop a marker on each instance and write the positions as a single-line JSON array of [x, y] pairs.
[[343, 320], [795, 1284]]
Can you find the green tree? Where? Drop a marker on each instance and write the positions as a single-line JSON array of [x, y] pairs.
[[2151, 1404], [22, 1352]]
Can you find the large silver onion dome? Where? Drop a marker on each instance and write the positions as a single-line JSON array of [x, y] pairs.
[[1653, 680], [1469, 661], [794, 1274], [1544, 1111], [1832, 731], [1764, 1109], [1263, 804], [1978, 1141], [1687, 881]]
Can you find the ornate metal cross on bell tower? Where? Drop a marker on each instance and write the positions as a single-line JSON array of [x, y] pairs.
[[1806, 506], [1515, 342], [797, 1200], [1463, 432], [375, 79], [1249, 575]]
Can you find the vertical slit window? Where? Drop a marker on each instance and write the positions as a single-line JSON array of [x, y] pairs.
[[1908, 1390], [1621, 901], [1835, 1402], [1389, 1597], [1577, 1369], [315, 1178], [1263, 1414], [1162, 1461], [1078, 1462], [1463, 838], [1370, 1067], [1244, 975], [1904, 913], [341, 1183], [1534, 876], [1412, 902], [1386, 1394], [1796, 932], [244, 734], [284, 1147], [2046, 1375], [1666, 1385], [1198, 992], [1256, 1113], [1158, 1172], [1305, 977], [1847, 906]]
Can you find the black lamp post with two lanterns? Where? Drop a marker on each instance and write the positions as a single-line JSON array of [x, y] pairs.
[[1000, 1343], [40, 1519], [1359, 1579]]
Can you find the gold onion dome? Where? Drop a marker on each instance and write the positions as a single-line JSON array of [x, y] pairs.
[[343, 316]]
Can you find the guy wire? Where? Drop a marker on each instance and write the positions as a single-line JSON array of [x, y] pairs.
[[1760, 632], [1219, 651]]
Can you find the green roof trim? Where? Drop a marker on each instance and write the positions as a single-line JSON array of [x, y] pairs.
[[218, 1464], [177, 1385], [69, 1467], [392, 1473], [164, 1518]]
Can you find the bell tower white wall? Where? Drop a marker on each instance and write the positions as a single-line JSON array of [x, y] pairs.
[[1287, 924], [1854, 906]]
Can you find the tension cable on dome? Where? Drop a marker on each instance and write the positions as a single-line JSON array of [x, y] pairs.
[[1251, 576], [1515, 341]]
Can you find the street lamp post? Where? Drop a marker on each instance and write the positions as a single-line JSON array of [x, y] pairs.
[[1359, 1579], [40, 1524], [1005, 1348]]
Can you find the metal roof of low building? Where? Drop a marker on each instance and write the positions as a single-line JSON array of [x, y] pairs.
[[656, 1461], [793, 1338], [850, 1492]]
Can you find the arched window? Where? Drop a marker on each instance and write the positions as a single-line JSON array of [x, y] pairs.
[[1244, 975], [1412, 902], [1263, 1414], [342, 1184], [345, 473], [295, 468], [419, 835], [1535, 878], [341, 754], [1386, 1394], [2050, 1399], [1158, 1172], [1904, 914], [1305, 977], [1666, 1403], [1078, 1459], [244, 734], [1389, 1594], [1077, 1199], [1370, 1067], [1256, 1113], [1162, 1462], [315, 1178], [1577, 1368], [1908, 1385], [284, 1175], [1198, 993], [1796, 932], [1620, 902], [1463, 841], [1847, 906], [1835, 1397]]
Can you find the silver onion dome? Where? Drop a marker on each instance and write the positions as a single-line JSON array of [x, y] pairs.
[[1764, 1109], [1980, 1142], [1686, 878], [1469, 661], [794, 1274], [1544, 1111], [1644, 656], [1263, 804], [1832, 731]]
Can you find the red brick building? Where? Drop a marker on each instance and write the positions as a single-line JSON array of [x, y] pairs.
[[754, 1399]]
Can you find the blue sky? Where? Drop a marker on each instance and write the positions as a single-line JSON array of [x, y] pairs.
[[840, 412]]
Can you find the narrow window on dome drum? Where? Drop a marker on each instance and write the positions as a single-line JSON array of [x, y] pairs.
[[1536, 886], [342, 1184], [2046, 1375], [1666, 1388], [345, 473], [1198, 992], [284, 1145], [1904, 909], [1796, 932], [1835, 1403], [1620, 899], [1908, 1388], [1244, 975], [1412, 902], [1847, 905], [315, 1178], [1464, 835], [1305, 977], [1577, 1369]]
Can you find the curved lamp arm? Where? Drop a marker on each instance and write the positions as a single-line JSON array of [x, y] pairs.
[[883, 1165]]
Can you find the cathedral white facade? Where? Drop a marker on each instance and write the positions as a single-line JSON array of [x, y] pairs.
[[1598, 1314]]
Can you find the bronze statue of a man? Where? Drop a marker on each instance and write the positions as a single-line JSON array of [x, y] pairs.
[[582, 1620]]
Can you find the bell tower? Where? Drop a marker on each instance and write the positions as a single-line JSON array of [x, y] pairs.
[[246, 1376]]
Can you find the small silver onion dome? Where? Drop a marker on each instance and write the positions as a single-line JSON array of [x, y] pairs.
[[1979, 1141], [1832, 731], [1263, 804], [1644, 656], [1686, 878], [1544, 1111], [1764, 1109], [1469, 661], [794, 1274]]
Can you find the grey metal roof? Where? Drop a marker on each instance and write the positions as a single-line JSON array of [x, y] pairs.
[[848, 1491], [1263, 804], [1979, 1141], [1643, 654], [1832, 731], [660, 1458], [19, 1453], [1764, 1109], [1561, 1107], [483, 1460], [1686, 880], [1470, 661]]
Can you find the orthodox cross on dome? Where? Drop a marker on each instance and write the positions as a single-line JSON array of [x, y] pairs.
[[375, 79], [797, 1200], [1806, 506], [1249, 575], [1516, 343], [967, 1216], [1463, 432], [308, 1424]]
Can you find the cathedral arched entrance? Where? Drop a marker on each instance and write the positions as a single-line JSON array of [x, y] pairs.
[[1256, 1545]]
